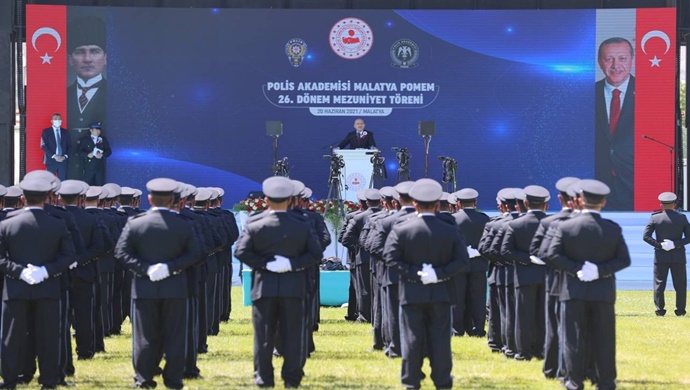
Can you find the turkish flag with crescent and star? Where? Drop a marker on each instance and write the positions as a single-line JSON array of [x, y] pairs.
[[46, 75], [655, 102]]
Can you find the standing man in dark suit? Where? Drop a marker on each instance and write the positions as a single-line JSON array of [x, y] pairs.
[[56, 144], [428, 252], [589, 250], [672, 234], [157, 247], [469, 315], [93, 150], [358, 139], [35, 248], [280, 271], [614, 137]]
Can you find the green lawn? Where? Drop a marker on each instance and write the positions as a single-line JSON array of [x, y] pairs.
[[651, 351]]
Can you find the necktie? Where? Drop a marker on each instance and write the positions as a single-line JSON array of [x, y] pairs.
[[58, 139], [83, 100], [615, 111]]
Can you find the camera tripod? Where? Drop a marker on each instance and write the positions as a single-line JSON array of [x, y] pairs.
[[379, 174], [335, 192]]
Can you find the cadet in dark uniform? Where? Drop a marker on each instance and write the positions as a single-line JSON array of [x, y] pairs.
[[538, 247], [428, 252], [528, 277], [351, 241], [469, 315], [281, 248], [672, 234], [157, 247], [83, 272], [390, 278], [589, 250], [495, 326], [505, 282], [352, 308], [35, 248], [93, 150]]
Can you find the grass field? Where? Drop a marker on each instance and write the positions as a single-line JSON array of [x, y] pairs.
[[651, 354]]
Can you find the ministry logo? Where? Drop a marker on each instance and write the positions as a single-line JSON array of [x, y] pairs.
[[404, 53], [351, 38]]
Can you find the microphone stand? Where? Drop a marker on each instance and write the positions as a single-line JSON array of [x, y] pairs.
[[427, 141], [671, 149]]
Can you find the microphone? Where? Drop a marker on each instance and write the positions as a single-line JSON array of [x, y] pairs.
[[644, 136]]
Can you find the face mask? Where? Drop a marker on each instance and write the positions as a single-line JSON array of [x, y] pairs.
[[57, 123]]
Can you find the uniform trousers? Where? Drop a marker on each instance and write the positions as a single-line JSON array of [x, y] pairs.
[[529, 320], [393, 319], [192, 344], [82, 305], [680, 284], [286, 316], [426, 327], [159, 325], [376, 311], [212, 304], [494, 333], [41, 320], [364, 292], [552, 352], [589, 336], [352, 295]]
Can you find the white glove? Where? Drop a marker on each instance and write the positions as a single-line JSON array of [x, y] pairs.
[[73, 265], [280, 264], [667, 245], [38, 274], [27, 276], [273, 266], [472, 253], [428, 274], [158, 272], [284, 262], [589, 272], [536, 260]]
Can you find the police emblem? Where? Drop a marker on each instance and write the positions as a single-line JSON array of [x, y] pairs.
[[356, 181], [351, 38], [404, 53], [296, 49]]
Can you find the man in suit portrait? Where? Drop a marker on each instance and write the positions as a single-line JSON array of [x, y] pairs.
[[88, 58], [361, 138], [615, 122], [94, 149], [86, 93], [55, 142]]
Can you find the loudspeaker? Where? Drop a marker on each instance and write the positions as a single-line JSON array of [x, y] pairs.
[[274, 128], [255, 195], [427, 127]]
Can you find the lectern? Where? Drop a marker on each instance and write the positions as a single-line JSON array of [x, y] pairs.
[[357, 171]]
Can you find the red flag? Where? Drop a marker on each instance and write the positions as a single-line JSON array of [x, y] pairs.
[[46, 75], [655, 68]]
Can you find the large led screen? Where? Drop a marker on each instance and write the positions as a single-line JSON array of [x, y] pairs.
[[517, 97]]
